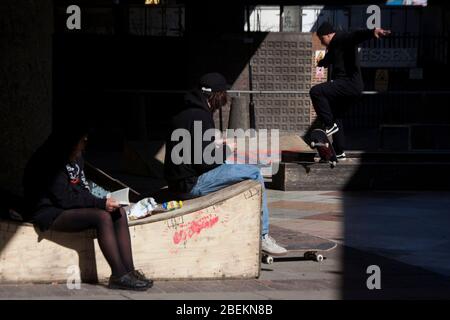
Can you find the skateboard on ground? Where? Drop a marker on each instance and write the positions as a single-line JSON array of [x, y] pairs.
[[321, 142], [297, 243]]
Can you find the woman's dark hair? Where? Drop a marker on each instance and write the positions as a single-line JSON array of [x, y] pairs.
[[51, 157], [62, 142]]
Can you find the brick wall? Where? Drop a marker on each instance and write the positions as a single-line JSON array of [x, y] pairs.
[[26, 84], [282, 62]]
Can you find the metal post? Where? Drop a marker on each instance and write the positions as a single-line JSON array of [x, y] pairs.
[[220, 119], [250, 79], [239, 113], [281, 18]]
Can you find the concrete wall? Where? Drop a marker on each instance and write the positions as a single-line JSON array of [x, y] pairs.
[[26, 28]]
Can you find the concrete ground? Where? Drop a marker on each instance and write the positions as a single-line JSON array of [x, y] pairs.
[[404, 234]]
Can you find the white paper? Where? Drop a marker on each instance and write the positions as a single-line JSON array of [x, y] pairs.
[[121, 196]]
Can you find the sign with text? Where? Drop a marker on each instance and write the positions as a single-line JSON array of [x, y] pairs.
[[388, 57]]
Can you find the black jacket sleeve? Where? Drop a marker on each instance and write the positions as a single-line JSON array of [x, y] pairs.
[[359, 36], [325, 62], [208, 123], [65, 196]]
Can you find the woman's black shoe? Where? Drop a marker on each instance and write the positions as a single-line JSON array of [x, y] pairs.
[[141, 276], [127, 282]]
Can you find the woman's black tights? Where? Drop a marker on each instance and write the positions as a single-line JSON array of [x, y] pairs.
[[112, 233]]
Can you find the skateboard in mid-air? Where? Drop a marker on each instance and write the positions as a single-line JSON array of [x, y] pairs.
[[320, 141], [299, 244]]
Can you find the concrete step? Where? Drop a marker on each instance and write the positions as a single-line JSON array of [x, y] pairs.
[[415, 137], [373, 156], [358, 174], [404, 156]]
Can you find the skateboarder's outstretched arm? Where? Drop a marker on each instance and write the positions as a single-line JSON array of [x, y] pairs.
[[359, 36]]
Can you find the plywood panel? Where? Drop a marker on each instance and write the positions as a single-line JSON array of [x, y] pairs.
[[216, 236]]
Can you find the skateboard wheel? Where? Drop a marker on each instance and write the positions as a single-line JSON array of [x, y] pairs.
[[319, 258], [313, 144], [268, 259], [333, 164], [327, 145]]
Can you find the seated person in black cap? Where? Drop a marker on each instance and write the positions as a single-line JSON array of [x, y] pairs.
[[199, 178], [58, 198], [346, 81]]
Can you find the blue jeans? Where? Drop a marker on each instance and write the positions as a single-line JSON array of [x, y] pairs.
[[228, 174]]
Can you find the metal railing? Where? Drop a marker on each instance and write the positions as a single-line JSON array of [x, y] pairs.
[[371, 110], [238, 92]]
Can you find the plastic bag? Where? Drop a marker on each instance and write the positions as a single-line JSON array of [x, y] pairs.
[[141, 209]]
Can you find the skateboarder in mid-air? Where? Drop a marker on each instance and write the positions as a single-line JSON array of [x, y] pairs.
[[331, 99]]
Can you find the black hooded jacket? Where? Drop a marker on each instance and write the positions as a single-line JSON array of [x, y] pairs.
[[181, 177], [342, 55]]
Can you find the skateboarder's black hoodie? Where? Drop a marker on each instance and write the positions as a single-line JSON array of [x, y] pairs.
[[182, 177], [342, 56]]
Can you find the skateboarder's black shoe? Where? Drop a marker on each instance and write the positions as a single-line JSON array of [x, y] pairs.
[[332, 130], [127, 282], [341, 157]]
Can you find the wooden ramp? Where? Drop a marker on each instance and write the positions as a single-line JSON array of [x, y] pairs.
[[213, 237]]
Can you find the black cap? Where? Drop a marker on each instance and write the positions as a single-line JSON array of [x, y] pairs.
[[324, 29], [213, 82]]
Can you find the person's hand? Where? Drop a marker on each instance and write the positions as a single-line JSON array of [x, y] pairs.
[[220, 142], [230, 143], [380, 33], [112, 205]]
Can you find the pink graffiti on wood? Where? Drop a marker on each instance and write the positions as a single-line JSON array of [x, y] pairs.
[[195, 227]]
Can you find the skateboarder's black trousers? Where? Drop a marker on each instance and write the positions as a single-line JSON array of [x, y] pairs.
[[112, 232], [331, 100]]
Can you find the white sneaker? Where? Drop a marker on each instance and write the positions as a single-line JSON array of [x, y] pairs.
[[341, 157], [270, 246], [332, 130]]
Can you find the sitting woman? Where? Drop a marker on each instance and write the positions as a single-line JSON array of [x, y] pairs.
[[58, 198]]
